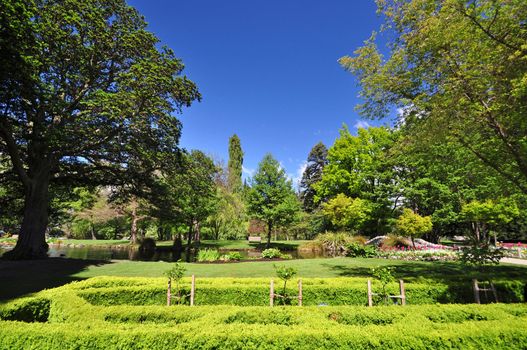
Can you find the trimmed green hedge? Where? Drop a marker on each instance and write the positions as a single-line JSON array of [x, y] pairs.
[[231, 327], [26, 309], [66, 320], [255, 291]]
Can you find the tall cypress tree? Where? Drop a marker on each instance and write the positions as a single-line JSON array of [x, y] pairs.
[[316, 161], [235, 164]]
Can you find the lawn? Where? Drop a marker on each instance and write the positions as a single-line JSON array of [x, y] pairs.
[[19, 278]]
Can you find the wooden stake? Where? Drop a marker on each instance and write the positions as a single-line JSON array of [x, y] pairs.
[[402, 292], [169, 297], [192, 290], [271, 293], [300, 292], [476, 291], [370, 299]]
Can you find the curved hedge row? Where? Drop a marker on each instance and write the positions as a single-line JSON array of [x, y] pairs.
[[231, 327], [255, 291], [64, 319]]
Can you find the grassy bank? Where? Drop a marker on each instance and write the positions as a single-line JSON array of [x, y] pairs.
[[19, 278]]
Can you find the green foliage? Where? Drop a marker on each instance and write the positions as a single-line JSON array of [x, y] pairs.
[[481, 255], [385, 275], [76, 323], [413, 225], [456, 69], [271, 197], [359, 169], [233, 256], [285, 273], [235, 164], [229, 219], [187, 192], [32, 309], [316, 161], [334, 241], [271, 253], [176, 272], [345, 212], [208, 255], [357, 250], [105, 117]]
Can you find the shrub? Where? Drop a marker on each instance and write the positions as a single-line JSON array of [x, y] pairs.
[[232, 256], [357, 250], [334, 241], [255, 291], [496, 326], [271, 253], [285, 274], [395, 241], [208, 255]]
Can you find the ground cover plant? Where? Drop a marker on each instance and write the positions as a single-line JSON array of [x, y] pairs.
[[65, 313]]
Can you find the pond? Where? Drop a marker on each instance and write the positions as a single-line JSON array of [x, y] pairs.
[[134, 254]]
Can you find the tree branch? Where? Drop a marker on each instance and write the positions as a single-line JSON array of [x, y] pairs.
[[7, 135]]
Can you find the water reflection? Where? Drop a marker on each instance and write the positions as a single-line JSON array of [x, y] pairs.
[[159, 254]]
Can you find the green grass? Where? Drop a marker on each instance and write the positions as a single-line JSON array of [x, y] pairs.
[[24, 277], [329, 267]]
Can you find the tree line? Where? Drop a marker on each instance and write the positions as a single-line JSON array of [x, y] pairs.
[[89, 133]]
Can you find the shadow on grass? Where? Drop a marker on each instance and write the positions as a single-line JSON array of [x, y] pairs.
[[19, 278]]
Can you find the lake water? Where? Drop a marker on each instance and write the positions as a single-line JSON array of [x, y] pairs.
[[160, 254]]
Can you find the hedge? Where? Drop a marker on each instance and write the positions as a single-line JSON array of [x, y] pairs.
[[63, 318], [230, 327], [255, 291]]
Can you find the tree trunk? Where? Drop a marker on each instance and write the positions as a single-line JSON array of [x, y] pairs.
[[269, 231], [92, 229], [133, 229], [31, 242], [189, 241]]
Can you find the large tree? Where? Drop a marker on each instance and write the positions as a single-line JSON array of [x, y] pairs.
[[316, 161], [91, 101], [271, 197], [235, 164], [360, 167], [457, 70], [187, 192]]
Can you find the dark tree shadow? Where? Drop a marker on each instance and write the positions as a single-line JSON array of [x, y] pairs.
[[18, 278]]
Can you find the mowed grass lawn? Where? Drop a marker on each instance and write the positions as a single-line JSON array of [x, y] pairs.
[[23, 277]]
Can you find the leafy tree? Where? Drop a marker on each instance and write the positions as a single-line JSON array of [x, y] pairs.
[[456, 69], [187, 193], [229, 218], [359, 167], [483, 216], [413, 225], [347, 213], [92, 103], [235, 164], [271, 197], [316, 161]]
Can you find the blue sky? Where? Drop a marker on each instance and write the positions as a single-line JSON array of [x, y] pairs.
[[267, 71]]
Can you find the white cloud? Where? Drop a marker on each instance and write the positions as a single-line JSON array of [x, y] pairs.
[[296, 178], [361, 124], [247, 171]]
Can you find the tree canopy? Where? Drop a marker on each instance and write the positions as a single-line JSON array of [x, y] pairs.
[[92, 101], [457, 71], [271, 197]]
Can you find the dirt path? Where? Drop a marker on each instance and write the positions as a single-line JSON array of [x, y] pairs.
[[514, 261]]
